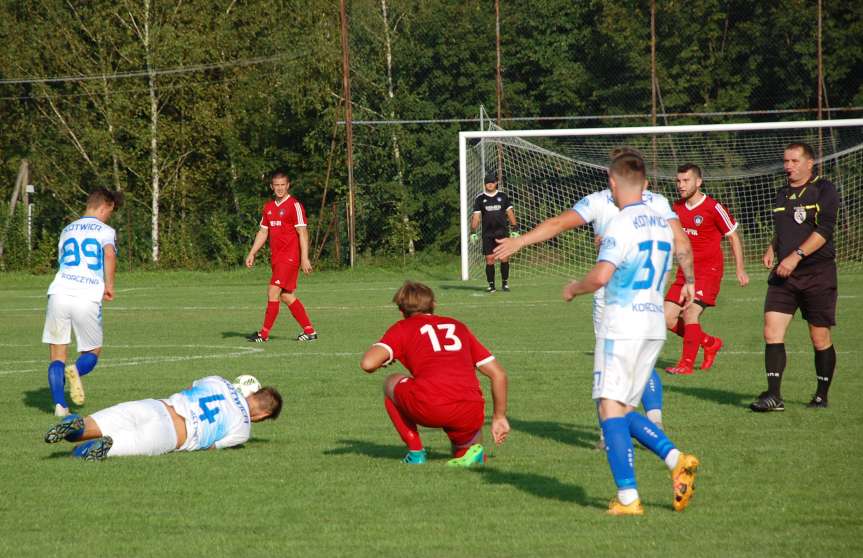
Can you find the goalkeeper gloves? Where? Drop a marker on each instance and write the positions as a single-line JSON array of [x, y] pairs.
[[514, 234], [473, 238]]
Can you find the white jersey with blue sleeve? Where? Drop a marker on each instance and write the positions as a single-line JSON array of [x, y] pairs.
[[82, 259], [216, 414], [639, 243]]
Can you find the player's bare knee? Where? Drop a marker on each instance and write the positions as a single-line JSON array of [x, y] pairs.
[[288, 297], [821, 338], [692, 313], [91, 429], [390, 384], [489, 260]]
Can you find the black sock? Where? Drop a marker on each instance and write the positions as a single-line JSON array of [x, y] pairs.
[[774, 365], [825, 364], [504, 272], [489, 274]]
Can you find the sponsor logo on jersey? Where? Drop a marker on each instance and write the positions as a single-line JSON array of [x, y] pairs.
[[493, 207], [698, 220], [690, 232], [275, 223], [799, 214]]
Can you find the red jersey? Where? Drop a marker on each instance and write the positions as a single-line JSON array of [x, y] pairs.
[[705, 224], [281, 220], [442, 355]]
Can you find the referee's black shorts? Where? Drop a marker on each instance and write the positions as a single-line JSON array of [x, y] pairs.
[[814, 291], [489, 242]]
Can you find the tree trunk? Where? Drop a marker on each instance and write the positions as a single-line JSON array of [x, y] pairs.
[[154, 128]]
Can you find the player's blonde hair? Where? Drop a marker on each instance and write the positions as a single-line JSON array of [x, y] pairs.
[[414, 298]]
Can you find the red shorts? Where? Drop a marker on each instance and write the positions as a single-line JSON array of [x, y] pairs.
[[461, 420], [706, 288], [285, 276]]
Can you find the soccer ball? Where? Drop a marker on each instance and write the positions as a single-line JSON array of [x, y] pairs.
[[247, 384]]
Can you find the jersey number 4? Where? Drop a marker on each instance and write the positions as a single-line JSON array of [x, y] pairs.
[[453, 343], [209, 414], [647, 246]]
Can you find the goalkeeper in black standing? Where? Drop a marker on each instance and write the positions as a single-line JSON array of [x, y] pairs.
[[498, 219]]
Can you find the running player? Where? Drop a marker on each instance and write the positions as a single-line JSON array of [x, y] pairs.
[[87, 258], [705, 221], [633, 259], [283, 222], [211, 414], [442, 391]]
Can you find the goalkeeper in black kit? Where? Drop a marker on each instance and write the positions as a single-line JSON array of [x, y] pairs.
[[498, 221]]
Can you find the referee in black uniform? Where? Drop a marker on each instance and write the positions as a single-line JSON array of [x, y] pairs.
[[804, 275], [495, 210]]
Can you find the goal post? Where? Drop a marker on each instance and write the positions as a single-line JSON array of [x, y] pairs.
[[545, 172]]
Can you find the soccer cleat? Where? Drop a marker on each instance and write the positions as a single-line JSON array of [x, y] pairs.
[[683, 480], [72, 425], [505, 287], [616, 508], [680, 369], [415, 457], [710, 354], [475, 455], [60, 410], [94, 450], [767, 402], [490, 289], [76, 387], [817, 402], [307, 336], [257, 338], [600, 444]]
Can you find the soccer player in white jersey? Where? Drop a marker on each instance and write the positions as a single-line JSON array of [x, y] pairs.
[[87, 261], [633, 260], [212, 413], [599, 209]]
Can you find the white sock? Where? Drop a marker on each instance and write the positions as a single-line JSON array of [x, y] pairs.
[[627, 496], [655, 416], [672, 458]]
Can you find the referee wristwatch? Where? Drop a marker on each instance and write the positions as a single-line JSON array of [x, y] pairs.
[[800, 253]]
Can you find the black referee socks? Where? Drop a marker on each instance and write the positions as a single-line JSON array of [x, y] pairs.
[[489, 273], [774, 365], [825, 364]]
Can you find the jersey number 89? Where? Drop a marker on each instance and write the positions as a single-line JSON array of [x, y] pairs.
[[89, 247]]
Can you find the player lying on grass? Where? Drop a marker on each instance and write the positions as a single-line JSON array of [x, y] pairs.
[[633, 260], [211, 414], [443, 391]]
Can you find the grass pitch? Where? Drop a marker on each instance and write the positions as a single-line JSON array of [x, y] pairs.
[[326, 480]]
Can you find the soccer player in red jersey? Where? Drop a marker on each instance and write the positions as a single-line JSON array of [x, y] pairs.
[[442, 391], [705, 222], [283, 222]]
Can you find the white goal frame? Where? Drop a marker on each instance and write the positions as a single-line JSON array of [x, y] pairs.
[[464, 137]]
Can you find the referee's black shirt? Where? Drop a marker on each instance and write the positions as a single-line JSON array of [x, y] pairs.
[[493, 209], [798, 212]]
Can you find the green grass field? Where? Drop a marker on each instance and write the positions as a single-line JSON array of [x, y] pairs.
[[326, 478]]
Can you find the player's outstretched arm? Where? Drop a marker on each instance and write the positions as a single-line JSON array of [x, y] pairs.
[[110, 263], [737, 252], [683, 255], [260, 240], [597, 277], [374, 358], [549, 228], [499, 382]]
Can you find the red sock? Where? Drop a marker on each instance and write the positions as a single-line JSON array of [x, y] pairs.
[[270, 317], [406, 429], [691, 342], [679, 327], [298, 311]]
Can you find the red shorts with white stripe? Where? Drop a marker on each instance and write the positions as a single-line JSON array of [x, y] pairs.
[[461, 420], [706, 288], [285, 276]]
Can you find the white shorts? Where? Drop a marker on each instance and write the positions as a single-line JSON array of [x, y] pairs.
[[622, 367], [66, 313], [138, 428], [598, 309]]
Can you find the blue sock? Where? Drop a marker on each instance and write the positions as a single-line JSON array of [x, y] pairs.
[[56, 382], [620, 453], [87, 362], [652, 397], [650, 436]]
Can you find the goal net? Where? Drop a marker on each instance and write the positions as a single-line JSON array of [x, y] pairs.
[[545, 172]]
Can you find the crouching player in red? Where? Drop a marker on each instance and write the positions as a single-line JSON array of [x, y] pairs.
[[443, 390]]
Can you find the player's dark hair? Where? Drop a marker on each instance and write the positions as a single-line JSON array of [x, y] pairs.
[[101, 196], [803, 146], [414, 298], [686, 167], [628, 165], [270, 400], [279, 173]]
